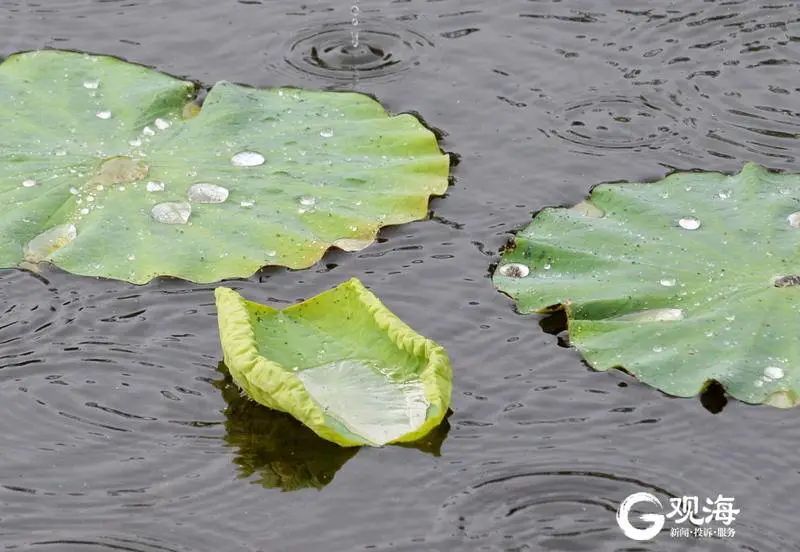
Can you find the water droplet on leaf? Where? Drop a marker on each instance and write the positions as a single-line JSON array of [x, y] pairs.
[[172, 212], [689, 223], [203, 192], [247, 159], [773, 372], [514, 270]]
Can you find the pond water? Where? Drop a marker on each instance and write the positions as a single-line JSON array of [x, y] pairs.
[[120, 433]]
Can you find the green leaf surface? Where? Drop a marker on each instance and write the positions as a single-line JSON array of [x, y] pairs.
[[340, 362], [109, 169], [692, 279]]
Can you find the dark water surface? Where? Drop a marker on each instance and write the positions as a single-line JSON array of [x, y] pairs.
[[119, 432]]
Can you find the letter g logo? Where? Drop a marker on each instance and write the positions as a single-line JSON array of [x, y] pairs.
[[623, 519]]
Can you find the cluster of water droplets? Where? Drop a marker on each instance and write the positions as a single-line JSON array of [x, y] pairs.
[[771, 374], [179, 212]]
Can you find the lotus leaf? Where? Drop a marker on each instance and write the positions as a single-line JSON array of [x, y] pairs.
[[340, 362], [682, 282], [111, 169]]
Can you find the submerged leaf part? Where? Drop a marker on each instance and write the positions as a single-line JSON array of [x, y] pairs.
[[365, 400], [119, 151], [340, 362], [692, 279]]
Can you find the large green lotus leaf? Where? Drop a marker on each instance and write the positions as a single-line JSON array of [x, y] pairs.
[[109, 169], [340, 362], [692, 279]]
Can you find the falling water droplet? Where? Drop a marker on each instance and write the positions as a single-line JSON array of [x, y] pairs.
[[689, 223], [147, 131], [247, 203], [203, 192], [247, 159], [667, 282], [135, 142], [308, 201], [326, 133], [514, 270], [91, 84], [29, 183], [155, 186], [161, 124], [354, 12], [172, 212], [49, 241], [105, 115], [794, 220]]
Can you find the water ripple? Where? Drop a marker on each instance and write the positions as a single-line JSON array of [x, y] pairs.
[[385, 50]]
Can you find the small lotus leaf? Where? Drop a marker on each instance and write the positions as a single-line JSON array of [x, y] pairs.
[[340, 362]]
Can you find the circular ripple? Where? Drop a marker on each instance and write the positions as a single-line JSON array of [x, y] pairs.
[[565, 508], [617, 122], [573, 507], [383, 50], [82, 544]]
